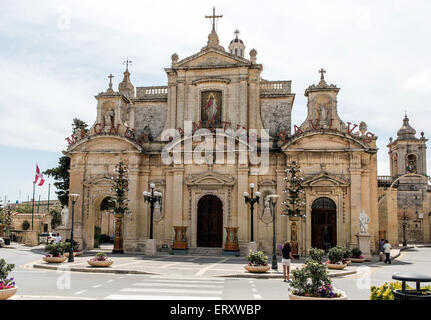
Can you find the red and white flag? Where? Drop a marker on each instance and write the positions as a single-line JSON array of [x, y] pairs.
[[39, 175]]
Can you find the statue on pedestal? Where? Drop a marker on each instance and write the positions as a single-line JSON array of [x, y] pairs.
[[64, 216], [364, 220]]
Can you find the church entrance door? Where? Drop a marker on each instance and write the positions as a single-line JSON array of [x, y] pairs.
[[210, 222], [323, 224]]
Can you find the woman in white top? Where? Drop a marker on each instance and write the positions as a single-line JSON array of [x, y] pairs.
[[387, 249]]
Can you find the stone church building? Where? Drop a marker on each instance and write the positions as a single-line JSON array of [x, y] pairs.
[[222, 89]]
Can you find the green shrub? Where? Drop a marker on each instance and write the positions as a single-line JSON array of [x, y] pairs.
[[75, 245], [356, 253], [335, 255], [316, 254], [56, 249], [5, 268], [347, 253], [257, 258]]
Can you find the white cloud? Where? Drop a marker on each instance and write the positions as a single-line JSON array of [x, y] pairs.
[[419, 82]]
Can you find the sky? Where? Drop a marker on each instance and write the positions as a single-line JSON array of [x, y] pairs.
[[55, 56]]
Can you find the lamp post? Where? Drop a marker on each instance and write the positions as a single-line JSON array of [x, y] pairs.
[[73, 197], [404, 227], [274, 198], [249, 199], [152, 197]]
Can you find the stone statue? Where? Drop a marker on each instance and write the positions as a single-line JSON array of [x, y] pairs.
[[64, 216], [158, 211], [364, 220], [267, 216], [109, 118]]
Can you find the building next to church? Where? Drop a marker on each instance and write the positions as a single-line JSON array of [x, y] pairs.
[[221, 89]]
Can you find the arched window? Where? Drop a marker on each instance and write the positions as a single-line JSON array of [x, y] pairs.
[[25, 225], [240, 52], [236, 51], [323, 203]]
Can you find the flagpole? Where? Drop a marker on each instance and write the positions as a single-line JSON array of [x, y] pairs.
[[38, 203], [49, 188], [32, 210]]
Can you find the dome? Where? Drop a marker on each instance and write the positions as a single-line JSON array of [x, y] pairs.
[[236, 46], [406, 132]]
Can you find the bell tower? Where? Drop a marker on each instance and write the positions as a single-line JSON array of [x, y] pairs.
[[236, 46]]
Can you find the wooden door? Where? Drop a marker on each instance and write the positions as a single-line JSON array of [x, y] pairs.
[[323, 224], [210, 222]]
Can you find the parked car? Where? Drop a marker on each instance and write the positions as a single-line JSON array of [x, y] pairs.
[[47, 238], [1, 242]]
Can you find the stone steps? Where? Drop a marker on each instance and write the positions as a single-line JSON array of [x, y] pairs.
[[204, 251]]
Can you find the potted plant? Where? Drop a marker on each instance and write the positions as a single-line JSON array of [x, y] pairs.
[[75, 248], [7, 286], [356, 256], [335, 256], [55, 253], [316, 254], [312, 282], [346, 256], [258, 262], [100, 260]]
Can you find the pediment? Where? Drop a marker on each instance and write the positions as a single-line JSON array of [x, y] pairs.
[[105, 143], [325, 179], [323, 141], [210, 179], [210, 58]]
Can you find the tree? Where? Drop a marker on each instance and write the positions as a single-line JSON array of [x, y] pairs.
[[295, 200], [120, 203], [56, 218], [61, 173]]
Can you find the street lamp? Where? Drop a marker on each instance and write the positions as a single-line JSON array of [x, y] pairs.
[[152, 197], [274, 198], [404, 227], [249, 199], [73, 197]]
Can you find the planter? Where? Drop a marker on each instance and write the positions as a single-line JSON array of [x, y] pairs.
[[294, 297], [357, 260], [257, 269], [348, 262], [336, 266], [180, 240], [105, 263], [75, 253], [55, 259], [7, 293]]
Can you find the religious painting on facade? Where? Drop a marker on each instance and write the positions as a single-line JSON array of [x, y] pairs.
[[211, 109]]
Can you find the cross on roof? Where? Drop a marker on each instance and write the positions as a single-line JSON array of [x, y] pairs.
[[110, 80], [213, 17], [236, 33], [322, 71], [127, 62]]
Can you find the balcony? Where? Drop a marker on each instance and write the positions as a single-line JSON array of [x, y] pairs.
[[275, 88], [149, 93]]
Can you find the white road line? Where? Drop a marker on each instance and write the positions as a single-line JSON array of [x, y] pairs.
[[257, 296], [170, 265], [203, 270], [152, 297], [97, 286], [181, 285], [194, 281], [158, 290], [109, 281], [254, 290], [79, 292]]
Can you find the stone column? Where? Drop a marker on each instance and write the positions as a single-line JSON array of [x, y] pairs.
[[180, 104], [178, 204], [242, 210], [355, 203]]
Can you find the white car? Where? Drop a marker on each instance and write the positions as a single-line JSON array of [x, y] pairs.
[[1, 242], [47, 238]]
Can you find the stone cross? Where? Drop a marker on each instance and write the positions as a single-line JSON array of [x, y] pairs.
[[127, 62], [213, 17], [110, 80], [236, 33], [322, 71]]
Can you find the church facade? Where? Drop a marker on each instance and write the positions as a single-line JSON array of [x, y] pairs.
[[217, 100]]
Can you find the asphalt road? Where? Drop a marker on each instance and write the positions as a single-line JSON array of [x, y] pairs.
[[46, 285]]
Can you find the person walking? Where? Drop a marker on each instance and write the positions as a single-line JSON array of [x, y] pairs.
[[387, 249], [381, 244], [286, 260], [58, 238]]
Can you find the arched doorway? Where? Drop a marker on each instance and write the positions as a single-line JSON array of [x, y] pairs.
[[210, 222], [323, 223]]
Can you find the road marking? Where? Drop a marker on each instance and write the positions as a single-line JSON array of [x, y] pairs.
[[194, 281], [203, 270], [152, 297], [254, 290], [109, 281], [97, 286], [257, 296], [79, 292], [163, 290], [181, 285], [170, 265]]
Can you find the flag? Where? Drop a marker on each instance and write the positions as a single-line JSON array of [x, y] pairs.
[[39, 175]]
